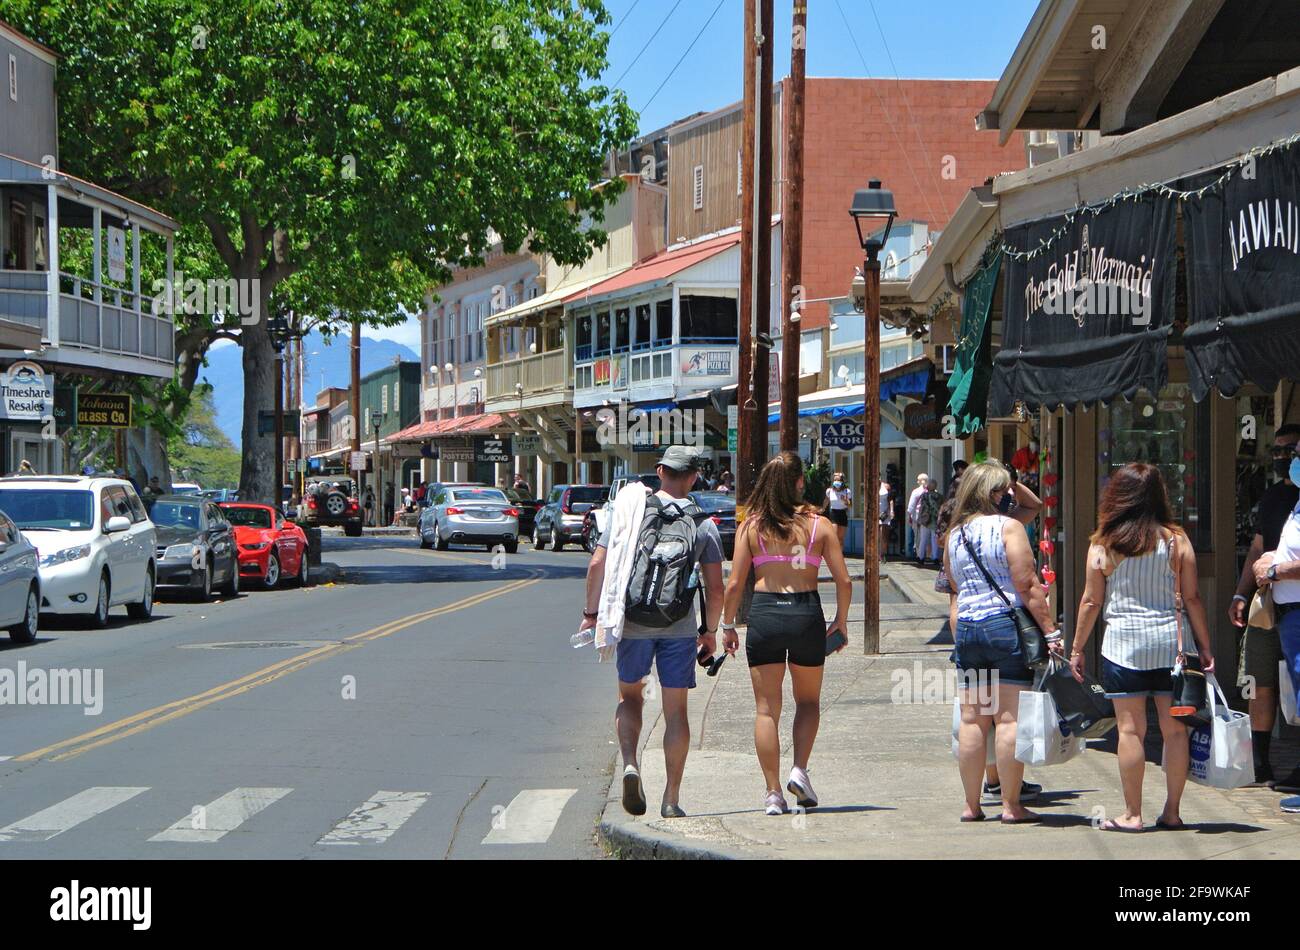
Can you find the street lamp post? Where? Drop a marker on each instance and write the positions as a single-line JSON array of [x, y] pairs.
[[871, 203], [376, 423]]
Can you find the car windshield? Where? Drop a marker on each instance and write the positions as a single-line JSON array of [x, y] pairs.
[[714, 501], [517, 497], [173, 514], [248, 517], [478, 494], [583, 498], [50, 508]]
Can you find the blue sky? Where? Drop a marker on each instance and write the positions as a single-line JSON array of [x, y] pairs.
[[927, 39]]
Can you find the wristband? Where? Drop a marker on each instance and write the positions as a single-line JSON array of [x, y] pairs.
[[590, 614], [728, 627]]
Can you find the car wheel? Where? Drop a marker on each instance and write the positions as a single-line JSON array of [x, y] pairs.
[[231, 587], [205, 594], [100, 617], [272, 576], [300, 579], [424, 542], [512, 547], [25, 631], [556, 543], [144, 609], [438, 541], [589, 541], [537, 538]]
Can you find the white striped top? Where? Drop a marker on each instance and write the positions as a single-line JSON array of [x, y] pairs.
[[975, 599], [1141, 627]]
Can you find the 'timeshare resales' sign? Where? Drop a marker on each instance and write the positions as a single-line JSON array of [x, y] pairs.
[[26, 392], [843, 435], [111, 410]]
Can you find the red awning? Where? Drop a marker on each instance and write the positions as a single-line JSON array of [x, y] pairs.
[[460, 425], [660, 267]]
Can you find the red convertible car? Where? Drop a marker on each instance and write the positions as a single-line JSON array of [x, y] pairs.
[[269, 546]]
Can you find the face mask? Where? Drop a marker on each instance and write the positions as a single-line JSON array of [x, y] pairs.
[[1293, 471], [838, 484], [1006, 503]]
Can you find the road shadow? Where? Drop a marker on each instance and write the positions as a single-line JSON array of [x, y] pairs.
[[450, 572]]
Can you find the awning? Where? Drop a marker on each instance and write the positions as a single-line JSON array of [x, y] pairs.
[[968, 387], [541, 302], [1088, 305], [907, 379], [331, 454], [1243, 275], [440, 428]]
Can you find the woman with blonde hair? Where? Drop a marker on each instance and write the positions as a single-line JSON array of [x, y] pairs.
[[991, 567], [1139, 566], [786, 622]]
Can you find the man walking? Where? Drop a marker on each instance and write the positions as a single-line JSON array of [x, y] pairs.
[[1263, 650], [672, 649]]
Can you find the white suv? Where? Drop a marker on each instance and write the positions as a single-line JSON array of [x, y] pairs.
[[95, 540]]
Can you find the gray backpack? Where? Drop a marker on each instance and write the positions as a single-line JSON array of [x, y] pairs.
[[659, 592]]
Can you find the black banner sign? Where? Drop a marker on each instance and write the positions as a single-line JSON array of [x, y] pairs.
[[1243, 274], [1088, 317], [107, 410]]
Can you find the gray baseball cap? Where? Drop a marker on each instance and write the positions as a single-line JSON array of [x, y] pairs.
[[681, 458]]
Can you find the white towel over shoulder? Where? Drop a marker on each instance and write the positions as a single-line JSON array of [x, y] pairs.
[[624, 526]]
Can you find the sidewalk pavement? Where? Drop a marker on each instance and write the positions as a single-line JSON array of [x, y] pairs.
[[888, 783]]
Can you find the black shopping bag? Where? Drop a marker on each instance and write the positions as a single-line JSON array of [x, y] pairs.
[[1083, 707]]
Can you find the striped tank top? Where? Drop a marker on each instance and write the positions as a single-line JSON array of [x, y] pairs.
[[975, 599], [1141, 627]]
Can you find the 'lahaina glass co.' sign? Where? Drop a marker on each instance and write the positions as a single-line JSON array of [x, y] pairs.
[[26, 392]]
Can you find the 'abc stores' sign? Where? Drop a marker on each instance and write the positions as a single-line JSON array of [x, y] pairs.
[[843, 435]]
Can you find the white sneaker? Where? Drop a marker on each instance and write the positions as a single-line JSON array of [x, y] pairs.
[[800, 786], [633, 793], [775, 804]]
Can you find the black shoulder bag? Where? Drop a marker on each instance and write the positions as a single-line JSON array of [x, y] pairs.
[[1033, 645]]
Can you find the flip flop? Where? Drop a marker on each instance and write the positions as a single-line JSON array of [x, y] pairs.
[[1166, 826], [979, 817], [1029, 820], [1110, 825]]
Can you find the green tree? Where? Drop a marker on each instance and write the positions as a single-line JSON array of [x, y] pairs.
[[342, 153], [199, 449]]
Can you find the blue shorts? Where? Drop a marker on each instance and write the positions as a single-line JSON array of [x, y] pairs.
[[674, 657], [991, 643], [1120, 682], [1288, 629]]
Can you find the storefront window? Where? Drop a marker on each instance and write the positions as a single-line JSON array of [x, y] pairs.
[[622, 331], [663, 323], [1171, 432], [641, 331], [708, 319], [602, 333]]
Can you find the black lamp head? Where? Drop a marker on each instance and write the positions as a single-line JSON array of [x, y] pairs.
[[869, 203]]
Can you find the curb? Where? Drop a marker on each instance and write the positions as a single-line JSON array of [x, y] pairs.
[[326, 572], [628, 841]]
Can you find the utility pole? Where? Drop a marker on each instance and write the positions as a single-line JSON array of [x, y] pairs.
[[755, 247], [279, 424], [792, 111]]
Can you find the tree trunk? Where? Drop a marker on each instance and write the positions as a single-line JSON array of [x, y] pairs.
[[256, 477], [146, 456]]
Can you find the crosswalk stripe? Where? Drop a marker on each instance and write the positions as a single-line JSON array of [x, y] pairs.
[[223, 815], [530, 817], [69, 813], [375, 820]]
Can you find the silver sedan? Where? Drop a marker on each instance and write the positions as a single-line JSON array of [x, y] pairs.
[[470, 515]]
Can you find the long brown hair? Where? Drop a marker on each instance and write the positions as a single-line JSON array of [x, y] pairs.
[[1133, 509], [775, 500]]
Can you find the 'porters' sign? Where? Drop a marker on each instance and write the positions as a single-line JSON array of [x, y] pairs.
[[26, 392]]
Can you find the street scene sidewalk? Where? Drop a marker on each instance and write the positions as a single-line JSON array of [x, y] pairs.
[[888, 783]]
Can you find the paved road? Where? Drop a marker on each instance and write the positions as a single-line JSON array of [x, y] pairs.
[[428, 705]]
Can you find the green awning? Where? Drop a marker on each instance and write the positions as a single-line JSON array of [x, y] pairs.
[[968, 386]]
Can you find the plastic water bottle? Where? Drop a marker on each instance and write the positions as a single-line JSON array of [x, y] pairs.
[[583, 638]]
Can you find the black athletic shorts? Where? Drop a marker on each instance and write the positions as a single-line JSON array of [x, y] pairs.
[[786, 627], [840, 516]]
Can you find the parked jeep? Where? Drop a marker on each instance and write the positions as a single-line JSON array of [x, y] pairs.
[[331, 504]]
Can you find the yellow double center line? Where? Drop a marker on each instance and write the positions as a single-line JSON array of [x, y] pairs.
[[141, 721]]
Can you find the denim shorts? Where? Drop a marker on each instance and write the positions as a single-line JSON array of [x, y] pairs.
[[1120, 682], [991, 643], [673, 656]]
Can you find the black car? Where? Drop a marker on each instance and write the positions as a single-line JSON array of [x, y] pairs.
[[721, 507], [559, 522], [196, 546], [528, 508]]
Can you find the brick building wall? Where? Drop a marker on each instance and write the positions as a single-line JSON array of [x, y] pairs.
[[849, 140]]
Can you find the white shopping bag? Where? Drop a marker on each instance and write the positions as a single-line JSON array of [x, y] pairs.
[[1286, 689], [1221, 753], [1041, 737], [991, 756]]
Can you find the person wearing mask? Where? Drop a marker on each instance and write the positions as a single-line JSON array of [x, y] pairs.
[[1280, 568], [672, 650], [983, 544], [785, 542], [926, 517], [1139, 566], [885, 512], [915, 544], [839, 501], [1263, 647]]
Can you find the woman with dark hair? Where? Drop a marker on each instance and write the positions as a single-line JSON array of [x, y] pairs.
[[1138, 561], [786, 622]]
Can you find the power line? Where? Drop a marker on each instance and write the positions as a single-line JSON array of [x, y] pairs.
[[916, 129], [662, 24], [623, 19], [897, 139], [684, 55]]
